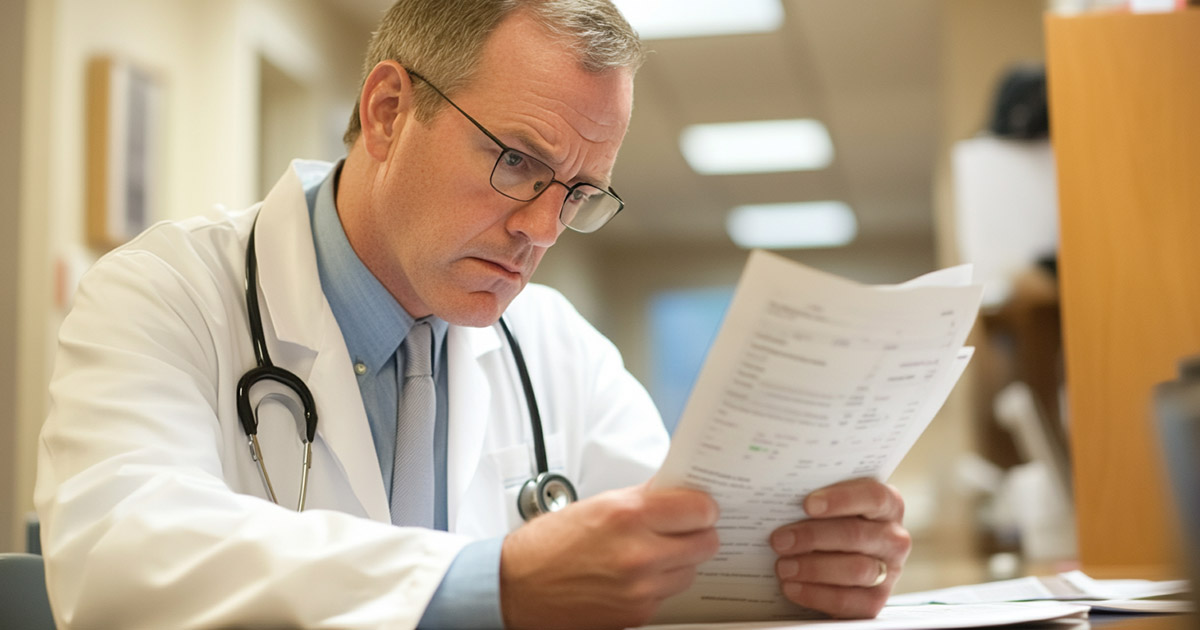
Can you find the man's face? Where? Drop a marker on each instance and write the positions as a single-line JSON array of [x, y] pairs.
[[445, 242]]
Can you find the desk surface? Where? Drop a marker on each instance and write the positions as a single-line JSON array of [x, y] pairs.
[[1101, 621]]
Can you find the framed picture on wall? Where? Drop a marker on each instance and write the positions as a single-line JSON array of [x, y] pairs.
[[124, 165]]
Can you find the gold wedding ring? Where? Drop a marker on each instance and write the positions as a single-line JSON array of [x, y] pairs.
[[883, 572]]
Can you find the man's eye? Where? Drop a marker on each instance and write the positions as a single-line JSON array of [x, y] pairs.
[[512, 158], [579, 196]]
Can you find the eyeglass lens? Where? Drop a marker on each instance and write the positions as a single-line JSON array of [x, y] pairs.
[[521, 177]]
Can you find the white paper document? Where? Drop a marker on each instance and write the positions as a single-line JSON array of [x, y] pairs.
[[1073, 586], [812, 380], [931, 617]]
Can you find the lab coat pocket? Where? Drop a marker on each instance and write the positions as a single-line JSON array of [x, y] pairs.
[[517, 464], [556, 453], [514, 466]]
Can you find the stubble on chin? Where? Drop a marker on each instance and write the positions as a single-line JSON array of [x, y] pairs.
[[478, 308]]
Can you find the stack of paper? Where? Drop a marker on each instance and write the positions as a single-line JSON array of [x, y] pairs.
[[1073, 586], [812, 380], [931, 617]]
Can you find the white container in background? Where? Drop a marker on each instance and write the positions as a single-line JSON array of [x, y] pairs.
[[1152, 6]]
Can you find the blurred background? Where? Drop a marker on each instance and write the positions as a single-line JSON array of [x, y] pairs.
[[889, 89]]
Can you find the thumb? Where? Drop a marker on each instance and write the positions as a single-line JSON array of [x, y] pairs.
[[679, 510]]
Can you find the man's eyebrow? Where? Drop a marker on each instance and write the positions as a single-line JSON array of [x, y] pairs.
[[529, 145]]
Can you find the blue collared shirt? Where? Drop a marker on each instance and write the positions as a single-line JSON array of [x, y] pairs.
[[374, 325]]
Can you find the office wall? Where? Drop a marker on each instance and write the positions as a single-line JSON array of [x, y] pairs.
[[207, 56], [33, 279], [980, 40], [12, 48]]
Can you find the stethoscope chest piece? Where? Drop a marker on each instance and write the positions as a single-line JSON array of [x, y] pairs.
[[547, 492]]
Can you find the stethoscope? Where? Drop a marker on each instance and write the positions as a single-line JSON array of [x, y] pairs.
[[545, 492]]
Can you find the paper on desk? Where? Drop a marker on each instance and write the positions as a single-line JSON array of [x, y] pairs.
[[930, 617], [1073, 586], [1147, 606], [1124, 589], [812, 380]]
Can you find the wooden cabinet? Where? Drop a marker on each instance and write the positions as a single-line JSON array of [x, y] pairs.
[[1125, 123]]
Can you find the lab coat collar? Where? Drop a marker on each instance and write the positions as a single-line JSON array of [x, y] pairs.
[[297, 313], [287, 272], [479, 341]]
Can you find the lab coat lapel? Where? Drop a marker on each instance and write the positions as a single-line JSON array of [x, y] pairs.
[[471, 406], [298, 313]]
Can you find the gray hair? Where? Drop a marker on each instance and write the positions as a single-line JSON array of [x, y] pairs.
[[444, 39]]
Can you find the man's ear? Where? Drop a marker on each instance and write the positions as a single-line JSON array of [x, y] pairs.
[[384, 106]]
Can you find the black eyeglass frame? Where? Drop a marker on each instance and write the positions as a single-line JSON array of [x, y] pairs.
[[505, 149]]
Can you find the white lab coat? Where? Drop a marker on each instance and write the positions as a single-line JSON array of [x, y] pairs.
[[153, 513]]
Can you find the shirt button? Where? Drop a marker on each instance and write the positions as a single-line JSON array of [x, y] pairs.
[[360, 368]]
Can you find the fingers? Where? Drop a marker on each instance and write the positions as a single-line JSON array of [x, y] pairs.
[[835, 569], [678, 580], [846, 586], [841, 602], [841, 551], [649, 552], [678, 510], [689, 550], [601, 562], [886, 540], [846, 557], [866, 498]]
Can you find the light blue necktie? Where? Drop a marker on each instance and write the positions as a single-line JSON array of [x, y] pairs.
[[412, 468]]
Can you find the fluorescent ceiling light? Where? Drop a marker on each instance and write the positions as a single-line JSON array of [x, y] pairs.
[[661, 19], [760, 146], [792, 225]]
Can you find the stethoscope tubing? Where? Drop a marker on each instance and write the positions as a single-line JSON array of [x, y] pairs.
[[535, 417]]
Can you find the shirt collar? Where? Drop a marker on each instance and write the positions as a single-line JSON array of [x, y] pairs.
[[373, 323]]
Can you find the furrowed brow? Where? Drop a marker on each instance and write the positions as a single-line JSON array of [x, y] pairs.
[[537, 150]]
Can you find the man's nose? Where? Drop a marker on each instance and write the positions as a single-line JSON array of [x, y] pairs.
[[537, 220]]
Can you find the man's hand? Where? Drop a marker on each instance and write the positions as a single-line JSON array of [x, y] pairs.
[[607, 561], [846, 557]]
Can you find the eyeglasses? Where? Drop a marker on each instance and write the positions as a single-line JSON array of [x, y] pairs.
[[522, 177]]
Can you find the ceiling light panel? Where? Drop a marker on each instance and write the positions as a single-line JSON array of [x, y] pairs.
[[792, 225], [663, 19], [760, 146]]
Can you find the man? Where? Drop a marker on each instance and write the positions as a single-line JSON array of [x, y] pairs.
[[156, 515]]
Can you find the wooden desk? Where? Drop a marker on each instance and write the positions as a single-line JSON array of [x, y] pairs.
[[1141, 622]]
